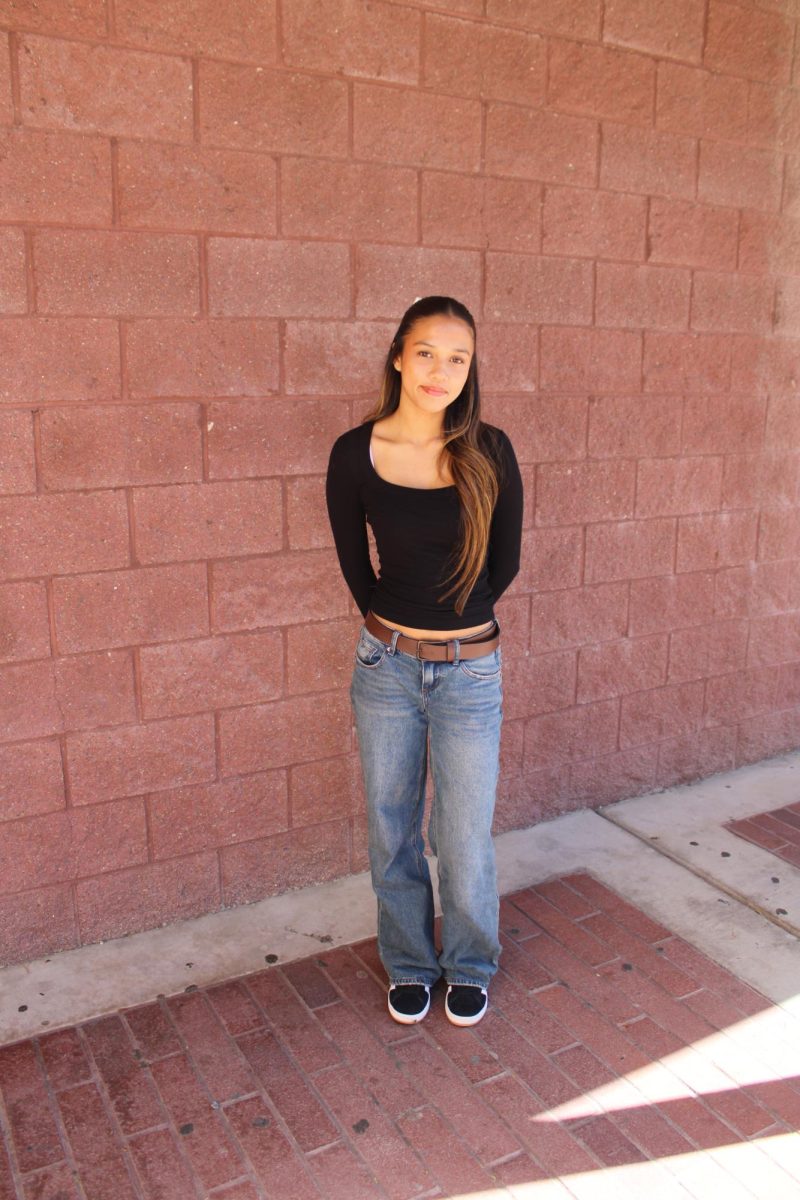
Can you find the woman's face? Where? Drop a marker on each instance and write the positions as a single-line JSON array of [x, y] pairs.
[[434, 362]]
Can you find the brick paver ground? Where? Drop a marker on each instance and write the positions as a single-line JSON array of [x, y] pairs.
[[294, 1083], [777, 829]]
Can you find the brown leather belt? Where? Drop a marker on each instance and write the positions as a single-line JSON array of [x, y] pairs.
[[443, 651]]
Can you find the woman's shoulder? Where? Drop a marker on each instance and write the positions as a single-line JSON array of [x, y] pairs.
[[496, 441], [352, 441], [497, 446], [494, 431]]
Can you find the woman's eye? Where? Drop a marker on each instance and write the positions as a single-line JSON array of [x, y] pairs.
[[458, 361], [424, 353]]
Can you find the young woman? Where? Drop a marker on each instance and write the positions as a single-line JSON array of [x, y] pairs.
[[443, 494]]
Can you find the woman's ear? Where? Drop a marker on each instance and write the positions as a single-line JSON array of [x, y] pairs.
[[396, 363]]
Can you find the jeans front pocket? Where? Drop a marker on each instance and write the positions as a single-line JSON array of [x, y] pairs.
[[370, 652], [488, 666]]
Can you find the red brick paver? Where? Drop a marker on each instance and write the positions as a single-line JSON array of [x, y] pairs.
[[294, 1083], [777, 829]]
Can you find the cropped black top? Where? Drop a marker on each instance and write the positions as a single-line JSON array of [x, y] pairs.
[[416, 530]]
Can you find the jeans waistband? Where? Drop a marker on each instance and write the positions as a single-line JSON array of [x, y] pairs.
[[473, 646]]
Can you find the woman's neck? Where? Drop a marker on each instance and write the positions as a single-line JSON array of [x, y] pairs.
[[415, 428]]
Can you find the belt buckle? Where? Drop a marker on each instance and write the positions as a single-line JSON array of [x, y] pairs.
[[425, 642]]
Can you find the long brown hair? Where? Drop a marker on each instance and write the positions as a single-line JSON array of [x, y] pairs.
[[470, 450]]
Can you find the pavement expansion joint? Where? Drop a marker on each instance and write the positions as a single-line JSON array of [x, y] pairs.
[[691, 824], [711, 877]]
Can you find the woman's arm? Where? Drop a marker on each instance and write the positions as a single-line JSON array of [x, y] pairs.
[[348, 522], [505, 534]]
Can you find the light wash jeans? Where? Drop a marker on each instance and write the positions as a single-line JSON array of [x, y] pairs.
[[401, 702]]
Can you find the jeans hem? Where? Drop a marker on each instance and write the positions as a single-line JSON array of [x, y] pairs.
[[460, 980], [410, 979]]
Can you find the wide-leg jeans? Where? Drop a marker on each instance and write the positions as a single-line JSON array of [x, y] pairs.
[[403, 705]]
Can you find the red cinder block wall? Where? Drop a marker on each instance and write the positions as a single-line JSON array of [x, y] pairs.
[[210, 218]]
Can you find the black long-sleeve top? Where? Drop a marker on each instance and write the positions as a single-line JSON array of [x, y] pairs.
[[416, 531]]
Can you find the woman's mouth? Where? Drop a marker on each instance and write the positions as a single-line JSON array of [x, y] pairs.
[[434, 391]]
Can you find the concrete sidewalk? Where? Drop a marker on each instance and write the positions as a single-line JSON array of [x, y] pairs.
[[644, 1032]]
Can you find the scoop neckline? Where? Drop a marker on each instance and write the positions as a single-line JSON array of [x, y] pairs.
[[446, 487]]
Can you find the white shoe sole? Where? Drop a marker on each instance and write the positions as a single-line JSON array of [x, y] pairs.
[[464, 1022], [405, 1018]]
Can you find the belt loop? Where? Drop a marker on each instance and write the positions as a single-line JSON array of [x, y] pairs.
[[393, 644], [457, 652]]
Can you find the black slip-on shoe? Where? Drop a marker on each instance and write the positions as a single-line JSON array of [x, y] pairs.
[[409, 1002], [465, 1003]]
